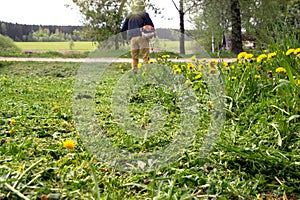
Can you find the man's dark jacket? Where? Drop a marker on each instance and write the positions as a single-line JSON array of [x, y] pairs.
[[133, 23]]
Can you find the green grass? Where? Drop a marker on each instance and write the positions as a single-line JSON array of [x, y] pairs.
[[56, 46], [256, 155]]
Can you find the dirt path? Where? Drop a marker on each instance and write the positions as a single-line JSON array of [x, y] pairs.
[[105, 60]]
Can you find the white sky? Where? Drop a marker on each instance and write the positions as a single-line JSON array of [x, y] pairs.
[[54, 12]]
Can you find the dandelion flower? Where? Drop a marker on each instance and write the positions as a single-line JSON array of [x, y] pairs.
[[289, 52], [190, 66], [233, 78], [69, 144], [298, 82], [225, 64], [177, 71], [297, 51], [271, 55], [69, 91], [12, 122], [280, 69], [56, 108], [21, 168], [198, 76], [150, 61], [257, 76], [248, 56], [242, 55], [139, 65], [261, 57], [165, 57]]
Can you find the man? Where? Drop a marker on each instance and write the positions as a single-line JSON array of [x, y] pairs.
[[131, 32]]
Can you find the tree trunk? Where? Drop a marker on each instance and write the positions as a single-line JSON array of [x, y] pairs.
[[181, 24], [236, 32]]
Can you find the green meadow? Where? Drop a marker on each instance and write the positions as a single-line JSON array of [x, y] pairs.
[[56, 46], [250, 107]]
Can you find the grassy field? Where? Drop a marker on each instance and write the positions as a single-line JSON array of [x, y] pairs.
[[160, 45], [45, 155], [56, 46]]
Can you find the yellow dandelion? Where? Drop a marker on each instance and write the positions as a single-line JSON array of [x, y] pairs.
[[190, 66], [297, 51], [69, 91], [56, 108], [165, 57], [242, 55], [139, 65], [69, 144], [177, 71], [233, 78], [261, 57], [280, 69], [271, 55], [257, 76], [175, 66], [150, 61], [198, 76], [11, 131], [225, 64], [289, 52], [12, 122], [266, 51], [298, 82], [248, 56], [20, 168]]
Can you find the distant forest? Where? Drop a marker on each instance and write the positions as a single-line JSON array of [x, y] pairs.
[[54, 33], [26, 33]]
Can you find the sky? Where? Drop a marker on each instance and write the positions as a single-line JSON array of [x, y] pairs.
[[55, 12]]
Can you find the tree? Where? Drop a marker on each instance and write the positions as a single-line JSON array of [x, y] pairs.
[[102, 18], [183, 8], [3, 29], [264, 19], [211, 24], [236, 29]]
